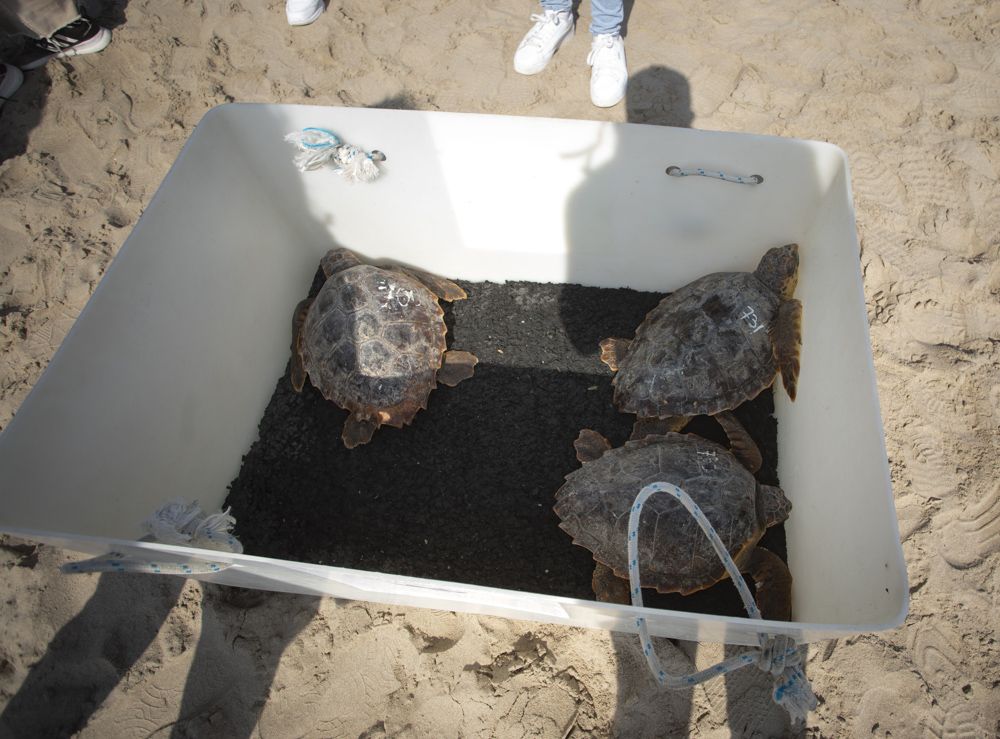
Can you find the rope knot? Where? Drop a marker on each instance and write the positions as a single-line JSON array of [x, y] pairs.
[[793, 692], [777, 654], [318, 147], [780, 657]]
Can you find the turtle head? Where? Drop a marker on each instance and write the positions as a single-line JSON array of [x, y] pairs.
[[337, 260], [779, 269], [772, 505]]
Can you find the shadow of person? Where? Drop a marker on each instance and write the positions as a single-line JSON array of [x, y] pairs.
[[90, 655], [660, 96], [656, 95], [231, 674], [643, 708], [24, 110], [109, 13], [20, 114], [228, 680]]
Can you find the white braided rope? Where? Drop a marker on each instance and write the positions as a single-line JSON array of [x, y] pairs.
[[318, 147], [777, 654]]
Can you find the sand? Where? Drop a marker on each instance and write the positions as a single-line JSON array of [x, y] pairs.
[[909, 89]]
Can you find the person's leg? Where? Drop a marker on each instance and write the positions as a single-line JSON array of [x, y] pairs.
[[37, 18], [552, 26], [607, 16], [53, 29], [609, 73]]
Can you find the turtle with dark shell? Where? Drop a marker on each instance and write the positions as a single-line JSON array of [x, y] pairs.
[[675, 556], [710, 346], [373, 342]]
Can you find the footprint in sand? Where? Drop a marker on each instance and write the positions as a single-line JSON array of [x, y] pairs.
[[973, 534], [932, 470]]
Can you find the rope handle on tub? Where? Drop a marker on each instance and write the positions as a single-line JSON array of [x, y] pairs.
[[675, 171], [177, 523], [319, 147], [777, 654]]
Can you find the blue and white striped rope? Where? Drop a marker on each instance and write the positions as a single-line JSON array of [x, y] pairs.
[[177, 523], [675, 171], [777, 654], [319, 147], [320, 138], [119, 562]]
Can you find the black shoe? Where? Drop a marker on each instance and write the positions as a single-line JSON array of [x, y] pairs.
[[82, 36]]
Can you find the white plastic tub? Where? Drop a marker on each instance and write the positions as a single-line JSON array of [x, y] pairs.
[[157, 391]]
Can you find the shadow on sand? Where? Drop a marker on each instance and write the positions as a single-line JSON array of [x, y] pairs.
[[20, 114], [661, 96], [230, 677]]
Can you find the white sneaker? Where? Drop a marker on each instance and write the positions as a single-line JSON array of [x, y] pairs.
[[608, 73], [538, 45], [303, 12]]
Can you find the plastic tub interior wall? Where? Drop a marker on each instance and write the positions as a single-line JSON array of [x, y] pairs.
[[158, 388]]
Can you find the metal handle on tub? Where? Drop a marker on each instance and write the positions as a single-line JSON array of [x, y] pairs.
[[674, 171]]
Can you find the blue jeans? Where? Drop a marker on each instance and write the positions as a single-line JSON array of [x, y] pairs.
[[606, 15]]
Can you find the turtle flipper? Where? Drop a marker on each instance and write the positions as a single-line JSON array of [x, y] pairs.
[[456, 366], [773, 506], [444, 289], [644, 427], [612, 351], [337, 260], [590, 445], [741, 443], [608, 587], [298, 372], [786, 337], [774, 584], [358, 431]]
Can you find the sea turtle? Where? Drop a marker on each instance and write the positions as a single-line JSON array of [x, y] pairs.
[[674, 554], [710, 346], [373, 342]]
